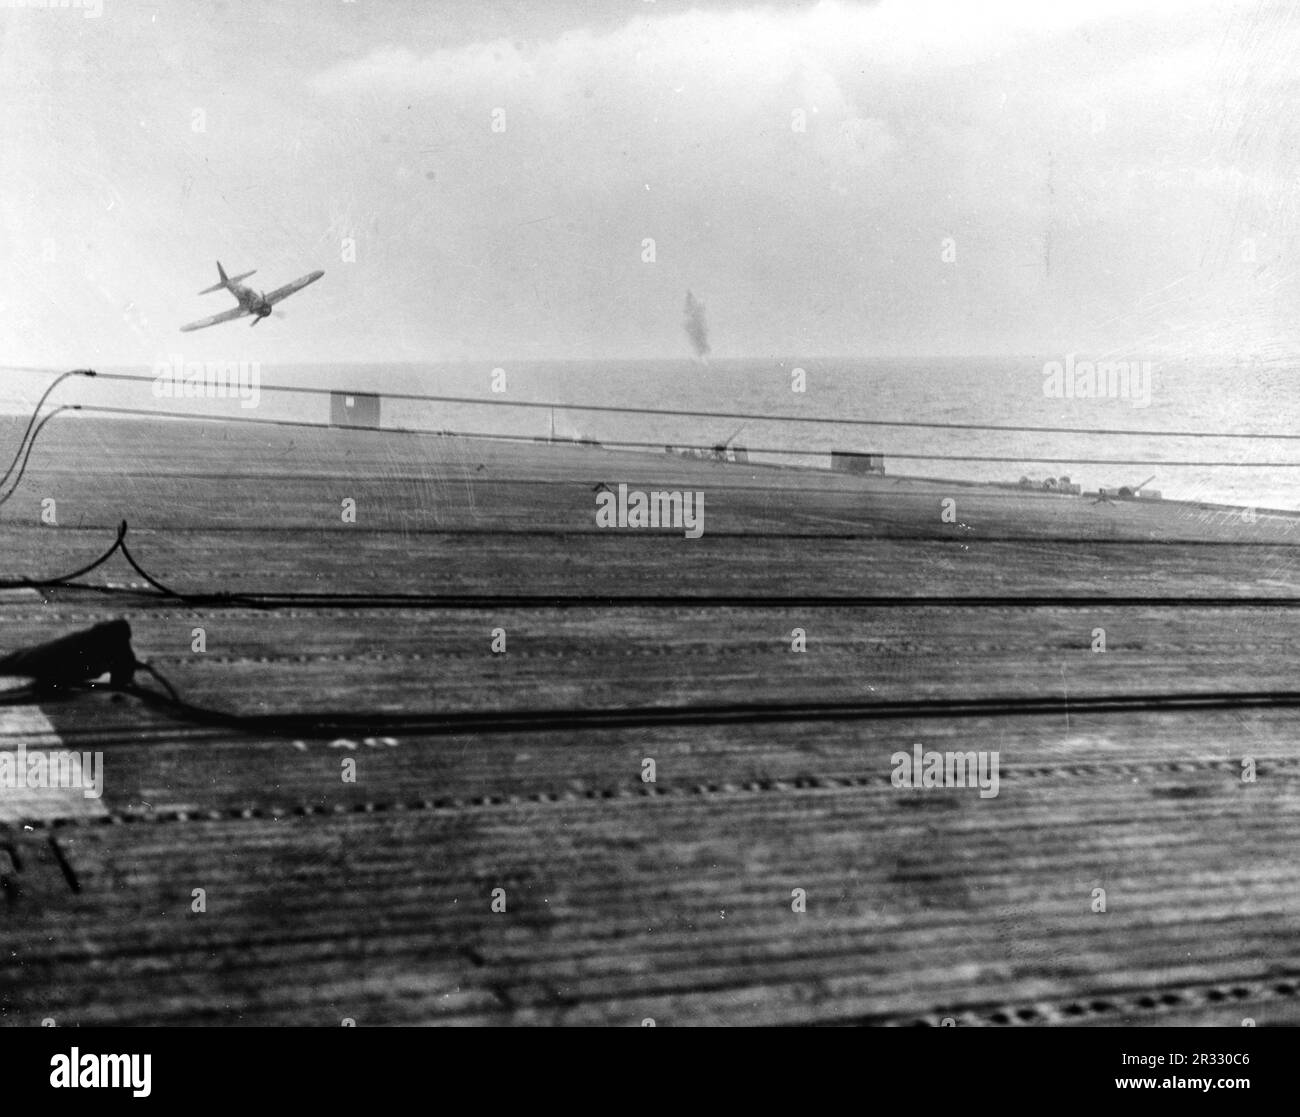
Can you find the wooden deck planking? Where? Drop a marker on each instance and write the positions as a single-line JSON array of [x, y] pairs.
[[893, 909], [370, 899]]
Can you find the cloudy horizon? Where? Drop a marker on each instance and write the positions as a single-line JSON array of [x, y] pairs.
[[829, 178]]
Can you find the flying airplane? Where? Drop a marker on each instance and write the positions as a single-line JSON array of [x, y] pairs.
[[252, 302]]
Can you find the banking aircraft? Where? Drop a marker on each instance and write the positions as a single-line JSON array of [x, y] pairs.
[[258, 304]]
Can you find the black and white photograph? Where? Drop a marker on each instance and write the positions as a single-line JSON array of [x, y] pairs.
[[651, 513]]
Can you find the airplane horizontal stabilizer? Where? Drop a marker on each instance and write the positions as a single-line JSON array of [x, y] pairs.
[[224, 281]]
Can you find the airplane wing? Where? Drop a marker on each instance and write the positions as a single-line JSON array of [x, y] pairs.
[[289, 288], [225, 316]]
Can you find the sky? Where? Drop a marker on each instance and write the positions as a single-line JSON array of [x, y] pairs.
[[480, 181]]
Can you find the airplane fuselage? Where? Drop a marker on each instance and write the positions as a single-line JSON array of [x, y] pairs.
[[252, 301]]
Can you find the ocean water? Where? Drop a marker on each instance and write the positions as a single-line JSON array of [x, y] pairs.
[[1254, 399]]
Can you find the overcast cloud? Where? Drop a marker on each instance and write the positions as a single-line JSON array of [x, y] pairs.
[[1108, 176]]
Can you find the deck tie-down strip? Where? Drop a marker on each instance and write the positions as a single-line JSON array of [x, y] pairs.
[[627, 791], [1078, 1010]]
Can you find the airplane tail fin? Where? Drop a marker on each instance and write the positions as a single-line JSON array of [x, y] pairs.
[[217, 286], [226, 280]]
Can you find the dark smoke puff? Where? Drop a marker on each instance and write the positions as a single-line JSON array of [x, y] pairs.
[[696, 325]]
